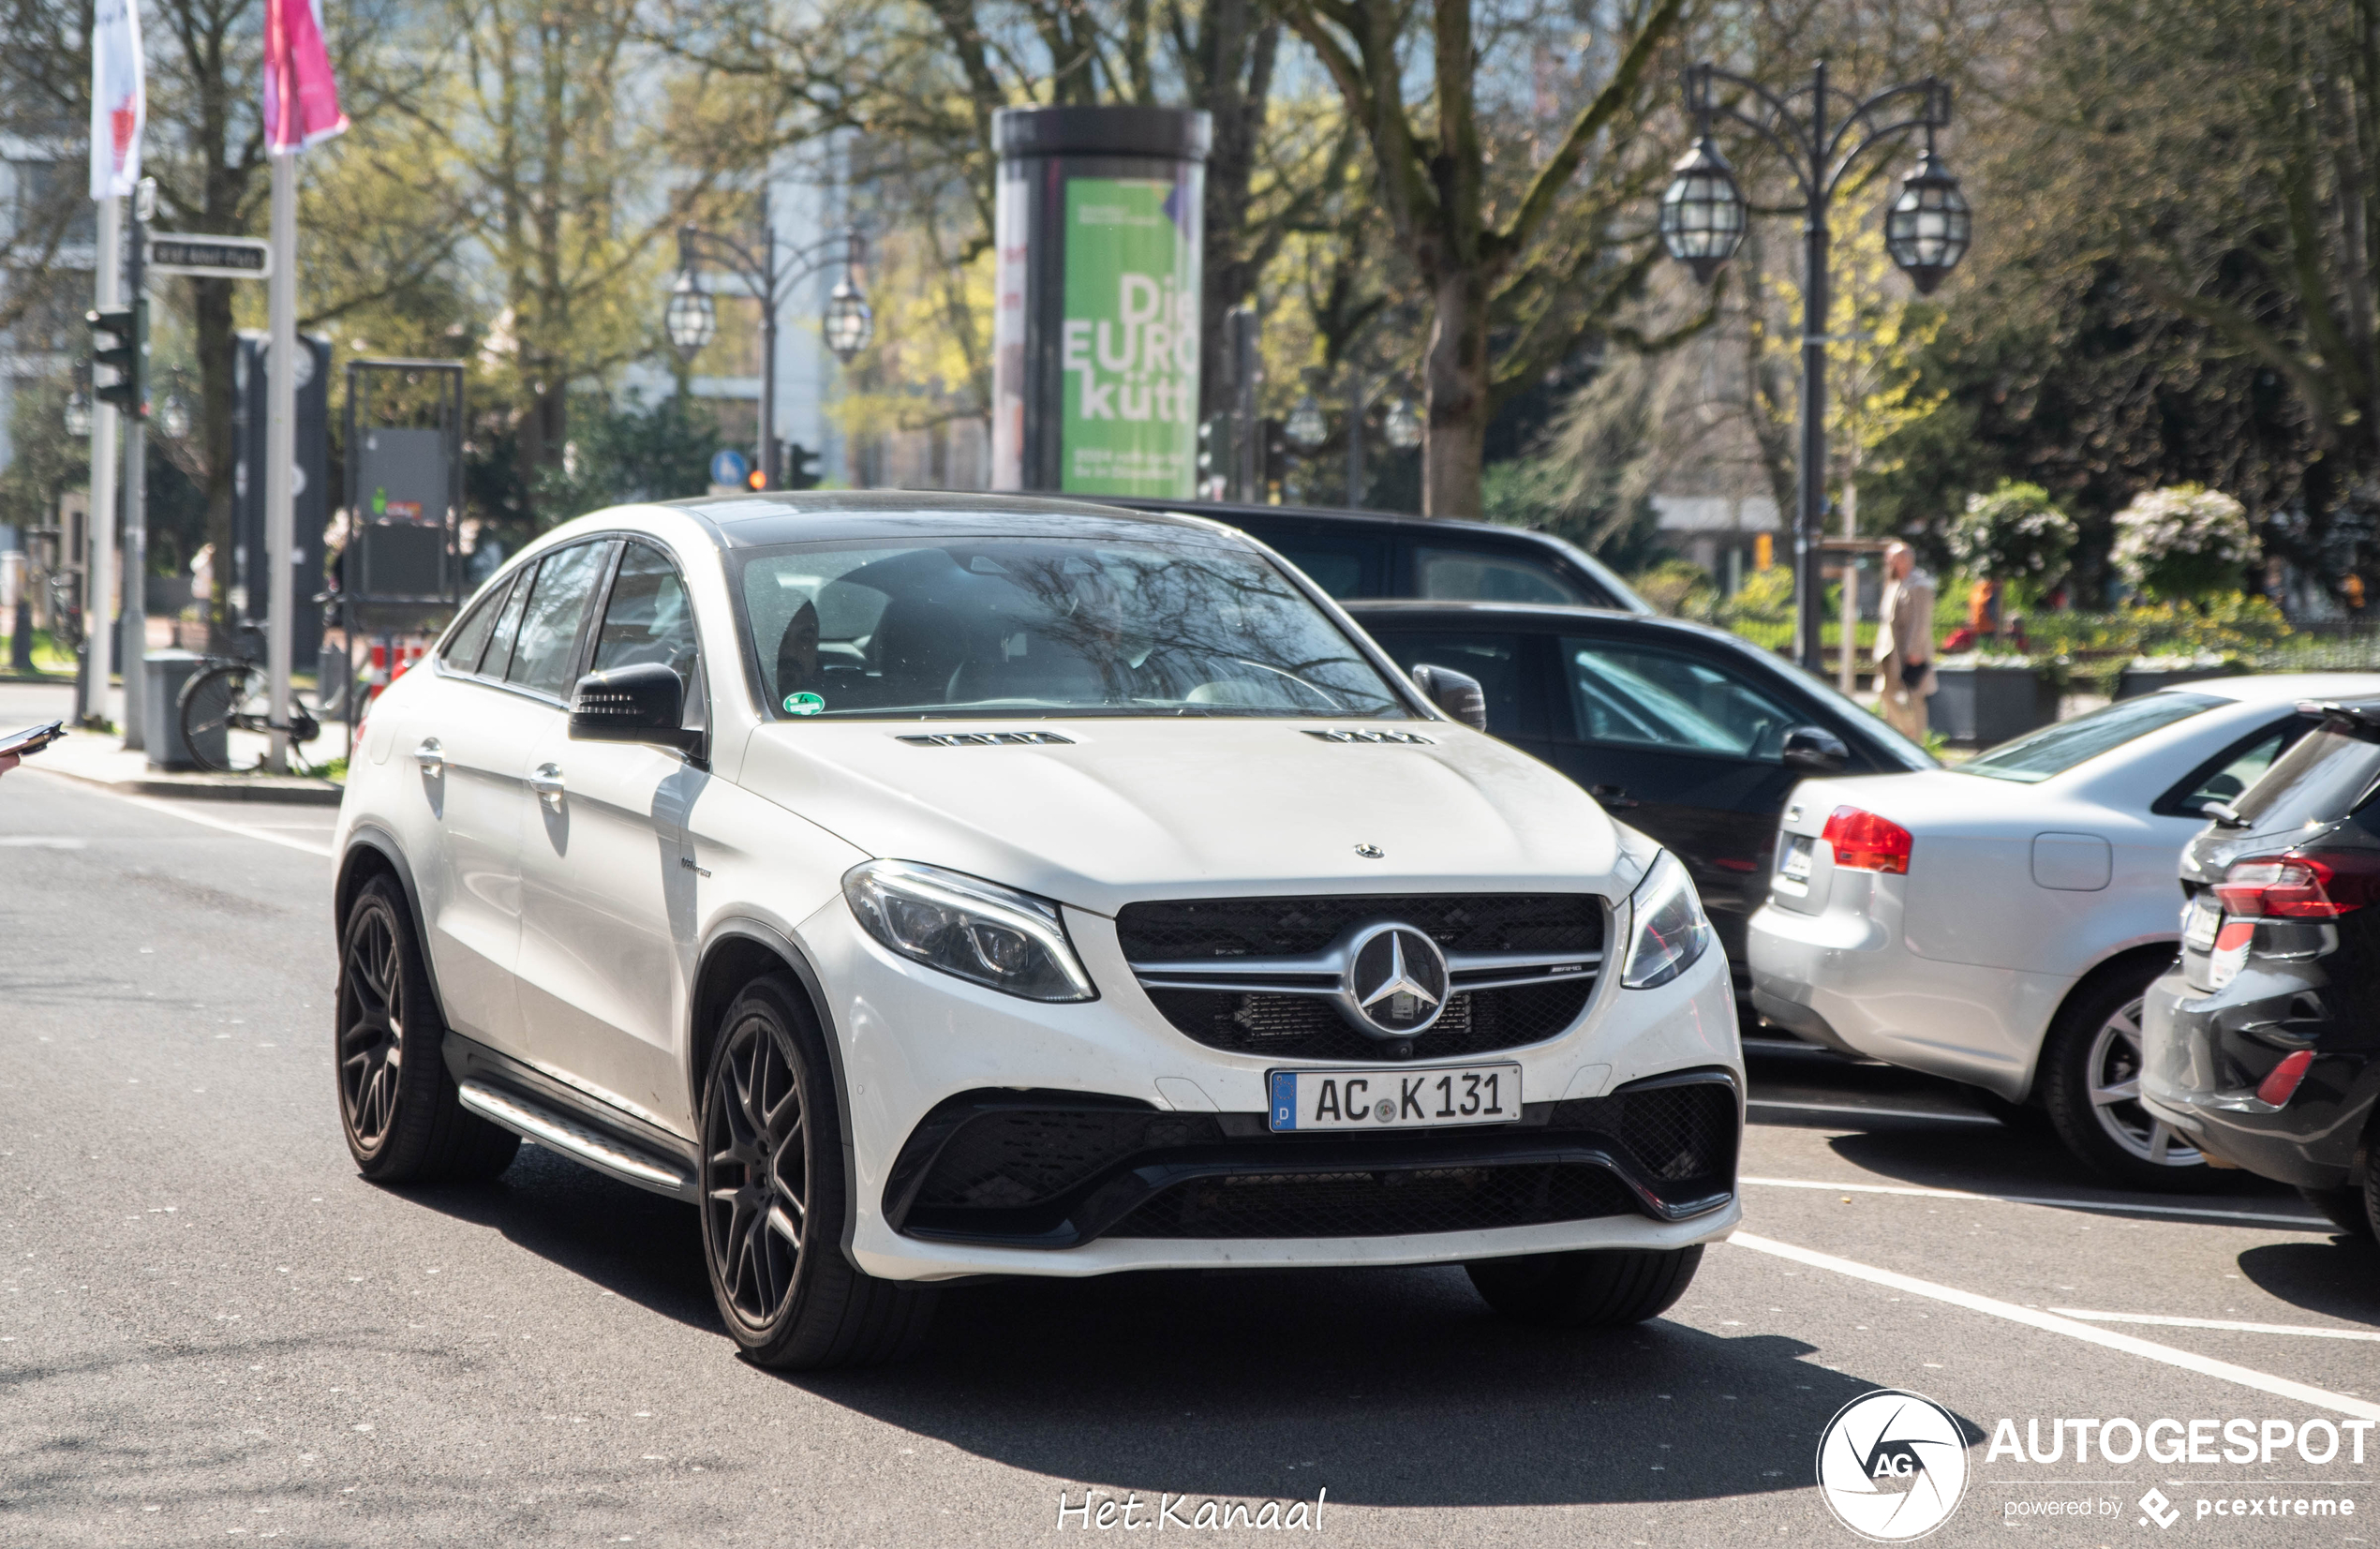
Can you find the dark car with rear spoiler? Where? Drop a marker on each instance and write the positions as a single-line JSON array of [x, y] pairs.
[[2262, 1045]]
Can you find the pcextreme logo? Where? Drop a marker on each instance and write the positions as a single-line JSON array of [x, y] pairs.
[[1892, 1465]]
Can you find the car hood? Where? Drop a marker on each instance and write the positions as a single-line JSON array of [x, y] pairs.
[[1132, 809]]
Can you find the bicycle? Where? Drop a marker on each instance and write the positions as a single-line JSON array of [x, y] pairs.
[[230, 693]]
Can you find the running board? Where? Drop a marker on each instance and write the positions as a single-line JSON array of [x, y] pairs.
[[603, 1152]]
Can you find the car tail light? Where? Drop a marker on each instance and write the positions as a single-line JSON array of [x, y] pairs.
[[2282, 1086], [1865, 842], [2295, 886]]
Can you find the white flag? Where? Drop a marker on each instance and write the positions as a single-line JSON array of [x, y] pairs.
[[119, 98]]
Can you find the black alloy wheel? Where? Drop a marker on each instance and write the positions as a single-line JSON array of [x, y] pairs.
[[398, 1104], [774, 1199]]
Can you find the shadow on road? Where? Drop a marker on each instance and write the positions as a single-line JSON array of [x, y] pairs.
[[2340, 1278]]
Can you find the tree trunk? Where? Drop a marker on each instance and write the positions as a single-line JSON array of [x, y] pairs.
[[216, 343], [1457, 383], [1235, 58]]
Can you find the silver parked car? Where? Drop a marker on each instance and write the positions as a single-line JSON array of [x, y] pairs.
[[1998, 923]]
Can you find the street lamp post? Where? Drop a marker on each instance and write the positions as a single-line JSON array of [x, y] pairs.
[[847, 322], [1927, 231]]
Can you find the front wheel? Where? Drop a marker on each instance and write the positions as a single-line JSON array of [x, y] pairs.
[[2090, 1086], [214, 704], [774, 1200], [1592, 1288]]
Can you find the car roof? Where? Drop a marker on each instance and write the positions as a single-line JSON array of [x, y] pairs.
[[1544, 614], [772, 517], [2284, 688]]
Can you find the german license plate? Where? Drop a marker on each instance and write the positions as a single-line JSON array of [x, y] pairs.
[[2205, 919], [1794, 865], [1394, 1099]]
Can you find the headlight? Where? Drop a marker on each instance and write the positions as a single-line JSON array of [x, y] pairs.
[[1672, 931], [976, 930]]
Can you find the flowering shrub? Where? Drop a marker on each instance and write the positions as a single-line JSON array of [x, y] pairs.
[[2015, 533], [2183, 542]]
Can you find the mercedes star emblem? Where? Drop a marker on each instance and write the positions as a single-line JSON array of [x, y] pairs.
[[1395, 982]]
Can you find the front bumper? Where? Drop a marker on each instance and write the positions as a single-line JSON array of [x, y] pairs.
[[915, 1045], [1846, 979], [2204, 1054]]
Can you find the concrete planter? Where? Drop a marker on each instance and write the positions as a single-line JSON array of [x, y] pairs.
[[1985, 705]]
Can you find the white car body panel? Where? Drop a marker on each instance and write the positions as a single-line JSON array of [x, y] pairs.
[[603, 905], [1959, 967]]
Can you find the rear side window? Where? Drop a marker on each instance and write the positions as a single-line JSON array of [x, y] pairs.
[[1343, 567], [2328, 775], [2054, 749], [2228, 774], [1648, 696], [548, 645], [464, 647], [1484, 576], [508, 627]]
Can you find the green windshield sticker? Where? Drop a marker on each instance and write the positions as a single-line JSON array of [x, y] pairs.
[[1130, 344], [804, 704]]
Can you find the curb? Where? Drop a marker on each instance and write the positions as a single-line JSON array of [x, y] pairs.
[[297, 791]]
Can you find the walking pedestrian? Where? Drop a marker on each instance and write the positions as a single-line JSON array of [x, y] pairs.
[[1905, 643]]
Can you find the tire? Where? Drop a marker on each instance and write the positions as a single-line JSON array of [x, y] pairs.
[[215, 703], [398, 1104], [2348, 1208], [2090, 1087], [1594, 1288], [775, 1199]]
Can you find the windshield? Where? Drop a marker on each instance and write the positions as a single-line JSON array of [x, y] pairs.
[[2054, 749], [2321, 780], [991, 626]]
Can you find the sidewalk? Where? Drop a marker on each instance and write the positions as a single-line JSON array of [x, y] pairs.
[[99, 758]]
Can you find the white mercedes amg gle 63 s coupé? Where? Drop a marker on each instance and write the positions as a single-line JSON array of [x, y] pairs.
[[929, 887]]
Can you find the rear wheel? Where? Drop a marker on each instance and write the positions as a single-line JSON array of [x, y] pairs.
[[1593, 1288], [2348, 1208], [774, 1200], [2090, 1086], [398, 1104]]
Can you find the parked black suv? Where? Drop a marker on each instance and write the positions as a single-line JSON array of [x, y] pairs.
[[1352, 553], [2262, 1045]]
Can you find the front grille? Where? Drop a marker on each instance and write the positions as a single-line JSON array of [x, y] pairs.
[[1384, 1204], [1304, 1027], [1223, 929], [1188, 951], [1053, 1169]]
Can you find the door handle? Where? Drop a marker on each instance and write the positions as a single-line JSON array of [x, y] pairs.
[[547, 782], [430, 756], [1612, 796]]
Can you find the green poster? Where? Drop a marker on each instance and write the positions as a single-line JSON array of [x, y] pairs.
[[1129, 345]]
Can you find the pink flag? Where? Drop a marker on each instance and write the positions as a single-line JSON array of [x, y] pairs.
[[119, 102], [301, 98]]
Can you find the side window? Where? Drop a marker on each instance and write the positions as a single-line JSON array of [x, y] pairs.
[[468, 639], [2227, 776], [547, 648], [1495, 660], [1483, 576], [1343, 567], [1651, 696], [508, 626], [648, 619]]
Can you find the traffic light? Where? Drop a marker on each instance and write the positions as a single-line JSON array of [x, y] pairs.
[[1273, 442], [1214, 451], [118, 341], [800, 474]]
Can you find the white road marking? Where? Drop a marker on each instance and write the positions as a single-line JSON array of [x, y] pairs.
[[181, 811], [2233, 1326], [1875, 1112], [2303, 1223], [2245, 1377]]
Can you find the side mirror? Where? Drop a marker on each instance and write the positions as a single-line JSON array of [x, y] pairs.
[[644, 702], [1814, 750], [1458, 694]]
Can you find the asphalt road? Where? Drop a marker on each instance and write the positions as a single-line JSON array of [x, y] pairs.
[[210, 1327]]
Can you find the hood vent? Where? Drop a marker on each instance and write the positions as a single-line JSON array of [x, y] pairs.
[[983, 739], [1415, 738]]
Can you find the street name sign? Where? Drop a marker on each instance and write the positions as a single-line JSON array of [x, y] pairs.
[[218, 258]]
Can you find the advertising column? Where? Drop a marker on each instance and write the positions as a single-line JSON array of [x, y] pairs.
[[1095, 327]]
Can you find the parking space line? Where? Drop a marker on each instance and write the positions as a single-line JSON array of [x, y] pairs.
[[1874, 1112], [2299, 1328], [2048, 1322], [2303, 1223], [241, 828]]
